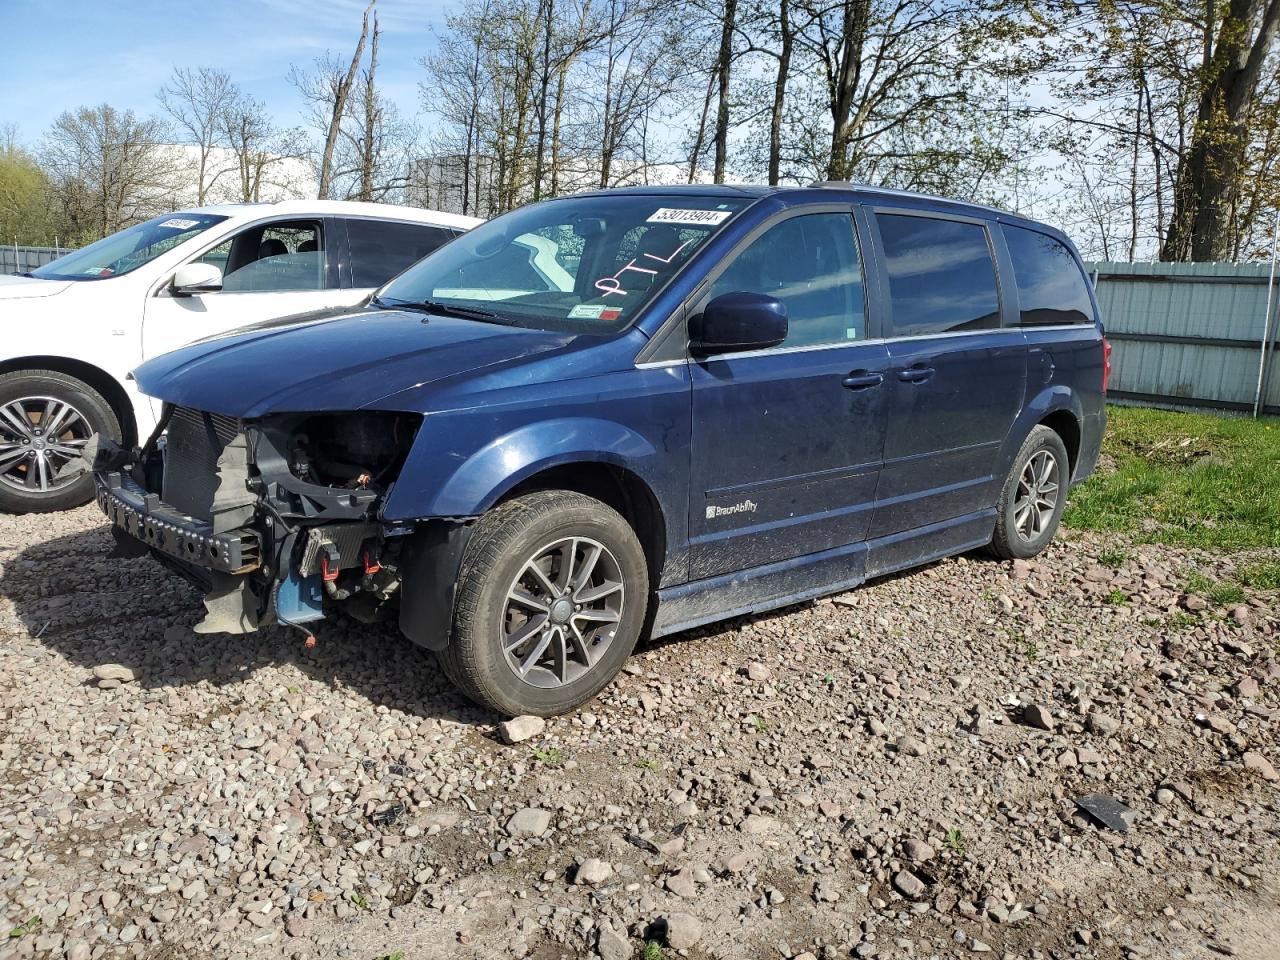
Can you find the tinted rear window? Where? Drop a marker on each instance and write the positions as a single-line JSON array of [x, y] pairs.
[[941, 275], [380, 249], [1051, 288]]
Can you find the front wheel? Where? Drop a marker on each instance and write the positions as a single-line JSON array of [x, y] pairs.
[[552, 595], [1033, 497], [45, 419]]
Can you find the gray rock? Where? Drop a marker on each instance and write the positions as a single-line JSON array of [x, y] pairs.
[[1102, 724], [684, 930], [908, 884], [758, 672], [1039, 717], [593, 872], [529, 822], [612, 944], [912, 747], [114, 671], [917, 850], [521, 728], [1260, 765]]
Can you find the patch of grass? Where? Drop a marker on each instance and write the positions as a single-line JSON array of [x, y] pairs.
[[651, 766], [21, 930], [1112, 557], [359, 900], [398, 955], [955, 842], [760, 725], [828, 678], [1225, 594], [1180, 620], [652, 951], [1118, 598], [1032, 652], [1197, 476], [1264, 575], [551, 756]]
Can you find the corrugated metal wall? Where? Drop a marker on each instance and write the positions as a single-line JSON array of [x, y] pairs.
[[1188, 334]]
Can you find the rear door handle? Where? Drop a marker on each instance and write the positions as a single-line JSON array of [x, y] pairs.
[[863, 380], [917, 373]]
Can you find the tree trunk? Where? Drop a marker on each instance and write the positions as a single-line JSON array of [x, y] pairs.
[[340, 94], [724, 62], [844, 85], [780, 91], [1199, 229], [369, 153], [546, 12], [696, 153]]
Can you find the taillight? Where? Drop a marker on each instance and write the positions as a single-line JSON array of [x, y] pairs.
[[1106, 363]]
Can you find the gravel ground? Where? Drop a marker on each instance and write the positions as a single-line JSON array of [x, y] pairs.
[[892, 773]]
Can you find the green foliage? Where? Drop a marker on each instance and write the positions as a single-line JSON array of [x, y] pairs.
[[1199, 478], [551, 756], [955, 842], [360, 900], [24, 199], [652, 951], [1118, 598], [30, 926], [398, 955], [650, 766]]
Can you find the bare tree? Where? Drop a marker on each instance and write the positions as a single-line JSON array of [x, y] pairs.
[[108, 169], [197, 101], [257, 146], [327, 88]]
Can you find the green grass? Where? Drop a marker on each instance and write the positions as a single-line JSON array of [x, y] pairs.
[[1264, 575], [1112, 557], [652, 766], [1202, 479], [360, 900], [1118, 598], [652, 951], [955, 842]]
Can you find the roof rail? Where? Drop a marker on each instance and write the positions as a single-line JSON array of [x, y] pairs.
[[894, 192]]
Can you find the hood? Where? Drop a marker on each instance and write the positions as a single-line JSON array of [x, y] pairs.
[[334, 363], [14, 287]]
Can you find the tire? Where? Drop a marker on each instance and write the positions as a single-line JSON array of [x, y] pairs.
[[1019, 534], [540, 530], [33, 397]]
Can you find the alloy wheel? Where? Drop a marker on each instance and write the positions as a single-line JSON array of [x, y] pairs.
[[562, 611], [38, 437], [1037, 495]]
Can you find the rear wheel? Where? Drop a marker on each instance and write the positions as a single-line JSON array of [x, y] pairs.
[[45, 419], [1033, 497], [551, 598]]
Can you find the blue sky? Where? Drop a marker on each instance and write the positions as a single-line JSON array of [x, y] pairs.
[[56, 55]]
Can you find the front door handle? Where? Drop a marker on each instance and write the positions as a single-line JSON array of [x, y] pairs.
[[917, 373], [863, 380]]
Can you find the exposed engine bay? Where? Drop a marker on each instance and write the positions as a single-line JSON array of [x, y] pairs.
[[276, 519]]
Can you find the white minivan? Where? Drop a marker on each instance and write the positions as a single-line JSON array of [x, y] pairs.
[[72, 330]]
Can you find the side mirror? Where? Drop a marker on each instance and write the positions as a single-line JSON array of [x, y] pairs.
[[736, 322], [196, 278]]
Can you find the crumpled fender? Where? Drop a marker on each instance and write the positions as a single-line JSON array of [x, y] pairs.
[[435, 483]]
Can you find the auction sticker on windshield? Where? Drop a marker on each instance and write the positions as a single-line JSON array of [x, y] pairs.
[[706, 218], [594, 311], [178, 223]]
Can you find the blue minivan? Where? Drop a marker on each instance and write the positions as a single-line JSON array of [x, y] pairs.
[[621, 413]]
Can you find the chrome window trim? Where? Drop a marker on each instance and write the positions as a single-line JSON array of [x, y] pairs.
[[807, 348]]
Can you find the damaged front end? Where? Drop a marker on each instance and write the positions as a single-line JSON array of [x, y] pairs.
[[277, 519]]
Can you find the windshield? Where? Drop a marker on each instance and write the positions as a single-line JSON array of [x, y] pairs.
[[127, 250], [579, 264]]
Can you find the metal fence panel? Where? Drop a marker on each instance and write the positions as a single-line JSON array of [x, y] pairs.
[[1187, 334], [19, 259]]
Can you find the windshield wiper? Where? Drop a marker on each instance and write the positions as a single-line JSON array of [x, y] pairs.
[[444, 309]]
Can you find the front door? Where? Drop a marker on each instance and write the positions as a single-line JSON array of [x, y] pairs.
[[956, 382], [269, 270], [786, 442]]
